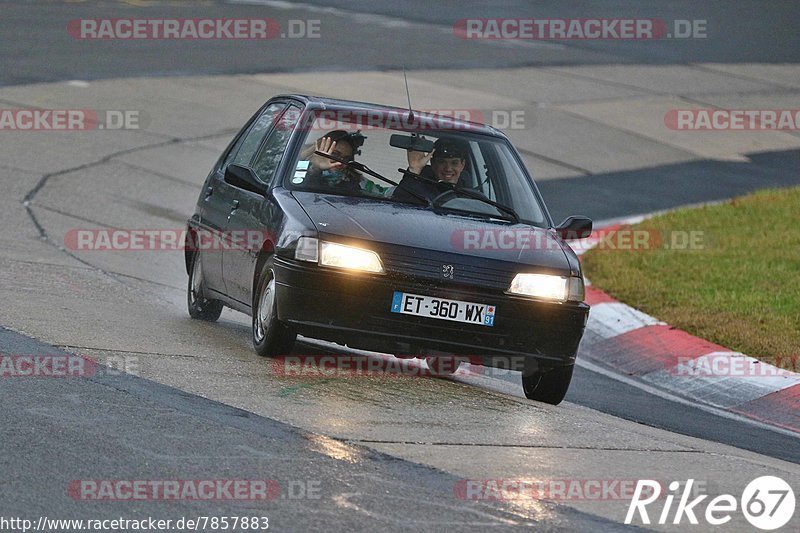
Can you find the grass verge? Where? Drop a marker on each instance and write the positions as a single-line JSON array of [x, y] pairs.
[[729, 273]]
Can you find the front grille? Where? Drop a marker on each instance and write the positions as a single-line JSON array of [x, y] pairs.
[[477, 272]]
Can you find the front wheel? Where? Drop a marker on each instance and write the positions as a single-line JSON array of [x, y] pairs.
[[199, 306], [270, 336], [549, 386]]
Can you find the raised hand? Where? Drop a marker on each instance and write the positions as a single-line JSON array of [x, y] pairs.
[[325, 145], [418, 160]]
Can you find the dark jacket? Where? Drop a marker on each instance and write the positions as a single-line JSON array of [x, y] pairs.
[[425, 189]]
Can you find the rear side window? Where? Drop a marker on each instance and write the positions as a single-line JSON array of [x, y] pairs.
[[272, 152], [246, 147]]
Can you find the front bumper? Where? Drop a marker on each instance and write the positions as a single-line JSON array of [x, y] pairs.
[[354, 309]]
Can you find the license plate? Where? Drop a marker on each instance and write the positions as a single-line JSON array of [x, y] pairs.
[[443, 309]]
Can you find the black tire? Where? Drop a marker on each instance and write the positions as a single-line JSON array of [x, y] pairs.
[[270, 336], [549, 386], [199, 306]]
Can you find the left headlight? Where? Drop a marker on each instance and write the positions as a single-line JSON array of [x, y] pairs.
[[548, 287], [333, 254]]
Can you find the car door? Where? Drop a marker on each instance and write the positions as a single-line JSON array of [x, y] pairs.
[[221, 199], [255, 217]]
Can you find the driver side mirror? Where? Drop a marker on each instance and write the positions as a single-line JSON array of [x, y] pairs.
[[575, 227], [243, 178]]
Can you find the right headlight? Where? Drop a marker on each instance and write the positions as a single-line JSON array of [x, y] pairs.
[[548, 287]]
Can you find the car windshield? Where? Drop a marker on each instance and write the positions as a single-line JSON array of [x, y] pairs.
[[482, 172]]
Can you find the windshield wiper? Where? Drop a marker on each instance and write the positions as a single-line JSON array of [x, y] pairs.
[[452, 187], [364, 168]]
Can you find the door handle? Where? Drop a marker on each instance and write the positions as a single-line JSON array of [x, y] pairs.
[[235, 206], [209, 191]]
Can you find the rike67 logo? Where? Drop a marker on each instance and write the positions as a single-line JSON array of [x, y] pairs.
[[767, 503]]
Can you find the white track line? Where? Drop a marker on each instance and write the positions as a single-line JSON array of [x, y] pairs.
[[683, 401]]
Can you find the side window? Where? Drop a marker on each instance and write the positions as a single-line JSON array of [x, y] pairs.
[[485, 184], [273, 149], [242, 153]]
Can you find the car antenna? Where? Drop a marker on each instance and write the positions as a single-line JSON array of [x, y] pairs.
[[408, 95]]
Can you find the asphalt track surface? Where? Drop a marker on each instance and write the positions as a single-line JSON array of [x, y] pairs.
[[128, 427], [738, 32], [156, 428]]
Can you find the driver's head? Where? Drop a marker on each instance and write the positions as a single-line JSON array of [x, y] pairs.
[[449, 159]]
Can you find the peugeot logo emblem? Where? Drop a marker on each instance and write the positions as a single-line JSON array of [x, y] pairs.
[[448, 271]]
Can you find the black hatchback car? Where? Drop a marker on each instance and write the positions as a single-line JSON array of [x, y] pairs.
[[392, 231]]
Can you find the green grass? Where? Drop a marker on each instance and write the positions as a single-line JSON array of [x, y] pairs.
[[740, 289]]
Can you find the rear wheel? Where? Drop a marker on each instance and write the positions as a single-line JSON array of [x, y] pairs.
[[548, 386], [270, 336], [199, 306]]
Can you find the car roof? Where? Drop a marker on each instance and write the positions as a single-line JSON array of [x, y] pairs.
[[323, 103]]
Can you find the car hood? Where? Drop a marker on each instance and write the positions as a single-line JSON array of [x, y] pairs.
[[349, 218]]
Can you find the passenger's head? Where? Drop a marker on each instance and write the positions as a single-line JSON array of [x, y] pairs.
[[449, 159], [347, 144]]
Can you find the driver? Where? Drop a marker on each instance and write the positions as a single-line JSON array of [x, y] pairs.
[[447, 161]]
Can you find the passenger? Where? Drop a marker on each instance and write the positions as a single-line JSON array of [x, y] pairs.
[[325, 172], [447, 161]]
